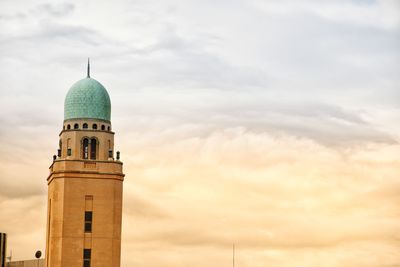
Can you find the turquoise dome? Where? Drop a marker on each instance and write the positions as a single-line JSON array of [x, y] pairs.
[[87, 98]]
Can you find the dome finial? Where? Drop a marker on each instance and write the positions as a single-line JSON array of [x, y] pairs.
[[88, 68]]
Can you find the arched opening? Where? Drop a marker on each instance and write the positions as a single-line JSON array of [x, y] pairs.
[[93, 147], [76, 126], [68, 127], [85, 148], [59, 149], [108, 128], [103, 127], [94, 126], [69, 150], [110, 152], [85, 126]]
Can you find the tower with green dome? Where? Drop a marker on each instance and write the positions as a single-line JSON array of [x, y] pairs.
[[85, 183]]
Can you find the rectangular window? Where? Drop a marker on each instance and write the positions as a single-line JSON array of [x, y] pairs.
[[87, 254], [69, 152], [88, 221]]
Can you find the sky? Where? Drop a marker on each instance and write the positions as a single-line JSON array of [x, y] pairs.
[[269, 124]]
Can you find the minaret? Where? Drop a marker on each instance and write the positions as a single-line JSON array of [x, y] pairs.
[[85, 183]]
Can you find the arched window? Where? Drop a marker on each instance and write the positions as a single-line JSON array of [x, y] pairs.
[[68, 127], [108, 128], [69, 150], [94, 126], [103, 127], [93, 146], [59, 148], [76, 126], [64, 127], [110, 152], [85, 126], [85, 148]]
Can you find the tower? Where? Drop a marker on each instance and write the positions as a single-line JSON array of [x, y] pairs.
[[85, 184]]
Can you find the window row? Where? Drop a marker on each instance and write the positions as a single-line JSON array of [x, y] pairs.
[[89, 148], [88, 220], [86, 126]]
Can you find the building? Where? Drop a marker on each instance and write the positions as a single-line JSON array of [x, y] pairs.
[[6, 261], [85, 183], [3, 249], [27, 263]]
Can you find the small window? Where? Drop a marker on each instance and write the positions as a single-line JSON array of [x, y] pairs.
[[103, 127], [87, 255], [64, 127], [94, 126], [68, 127], [85, 126], [76, 126], [108, 128], [88, 227], [69, 152], [88, 221]]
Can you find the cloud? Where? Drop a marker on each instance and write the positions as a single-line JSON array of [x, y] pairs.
[[272, 125], [265, 194], [56, 10], [360, 13]]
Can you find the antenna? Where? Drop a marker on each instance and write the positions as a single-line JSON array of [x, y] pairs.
[[233, 255], [10, 257], [88, 68]]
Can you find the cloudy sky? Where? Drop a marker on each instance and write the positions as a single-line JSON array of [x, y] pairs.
[[271, 124]]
